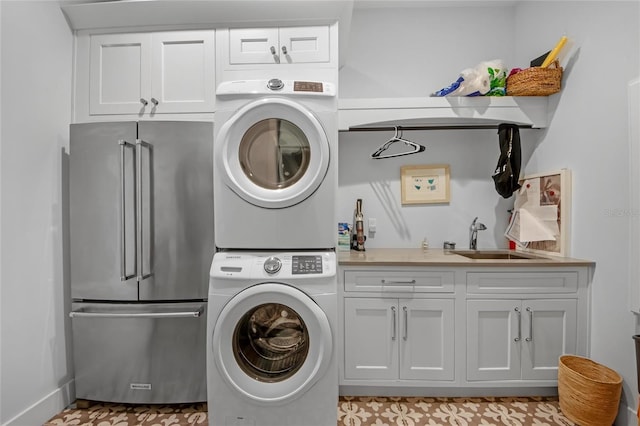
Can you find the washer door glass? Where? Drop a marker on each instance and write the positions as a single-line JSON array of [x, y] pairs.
[[273, 153], [272, 342]]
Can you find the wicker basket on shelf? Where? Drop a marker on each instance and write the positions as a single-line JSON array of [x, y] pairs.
[[589, 392], [535, 81]]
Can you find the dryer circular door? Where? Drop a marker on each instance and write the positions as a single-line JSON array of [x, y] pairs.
[[271, 343], [273, 153]]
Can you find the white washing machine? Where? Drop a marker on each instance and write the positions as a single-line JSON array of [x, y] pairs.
[[275, 164], [271, 350]]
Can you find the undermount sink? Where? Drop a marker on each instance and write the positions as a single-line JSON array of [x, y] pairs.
[[495, 254]]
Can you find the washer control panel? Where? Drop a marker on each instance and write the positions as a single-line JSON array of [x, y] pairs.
[[307, 264]]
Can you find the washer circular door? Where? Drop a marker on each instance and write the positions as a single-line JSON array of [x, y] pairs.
[[271, 343], [273, 153]]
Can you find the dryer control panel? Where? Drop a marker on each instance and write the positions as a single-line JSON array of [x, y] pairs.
[[276, 85]]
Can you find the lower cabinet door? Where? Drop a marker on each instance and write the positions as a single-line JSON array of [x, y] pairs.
[[493, 339], [549, 329], [407, 339], [519, 339], [426, 332], [371, 338]]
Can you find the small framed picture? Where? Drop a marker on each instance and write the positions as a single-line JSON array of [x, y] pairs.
[[425, 184]]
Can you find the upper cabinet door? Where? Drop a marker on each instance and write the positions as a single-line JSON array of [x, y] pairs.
[[183, 72], [117, 64], [279, 45], [254, 46], [152, 73], [304, 44]]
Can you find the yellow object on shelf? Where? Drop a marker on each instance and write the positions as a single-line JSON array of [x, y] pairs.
[[554, 53]]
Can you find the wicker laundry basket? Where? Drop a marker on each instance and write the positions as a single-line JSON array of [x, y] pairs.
[[589, 392], [535, 81]]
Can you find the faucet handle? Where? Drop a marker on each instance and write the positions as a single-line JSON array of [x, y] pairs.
[[477, 226]]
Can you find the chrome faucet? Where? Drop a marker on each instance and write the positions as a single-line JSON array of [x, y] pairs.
[[473, 233]]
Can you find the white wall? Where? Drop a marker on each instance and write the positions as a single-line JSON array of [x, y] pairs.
[[36, 77], [588, 134], [412, 52]]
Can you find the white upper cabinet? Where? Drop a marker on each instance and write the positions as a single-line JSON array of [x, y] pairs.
[[149, 73], [291, 45], [118, 63], [183, 71]]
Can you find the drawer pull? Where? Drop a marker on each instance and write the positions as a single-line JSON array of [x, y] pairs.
[[398, 282], [153, 315]]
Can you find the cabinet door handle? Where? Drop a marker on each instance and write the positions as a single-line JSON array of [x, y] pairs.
[[273, 51], [393, 323], [406, 323], [144, 102], [517, 339], [154, 101], [284, 50], [530, 338]]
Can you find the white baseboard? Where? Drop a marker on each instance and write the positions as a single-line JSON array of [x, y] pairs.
[[627, 416], [47, 407]]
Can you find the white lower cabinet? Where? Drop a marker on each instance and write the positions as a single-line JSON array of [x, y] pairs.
[[390, 338], [462, 327], [519, 339]]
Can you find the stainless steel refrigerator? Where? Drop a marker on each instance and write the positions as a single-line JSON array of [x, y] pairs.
[[141, 244]]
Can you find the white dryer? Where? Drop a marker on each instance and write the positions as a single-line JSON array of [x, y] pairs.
[[275, 164], [271, 350]]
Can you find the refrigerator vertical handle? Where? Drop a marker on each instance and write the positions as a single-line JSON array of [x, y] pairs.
[[140, 211], [123, 217]]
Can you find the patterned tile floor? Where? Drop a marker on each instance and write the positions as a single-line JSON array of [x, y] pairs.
[[352, 411]]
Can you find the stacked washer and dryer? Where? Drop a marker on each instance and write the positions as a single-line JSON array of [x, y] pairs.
[[271, 350]]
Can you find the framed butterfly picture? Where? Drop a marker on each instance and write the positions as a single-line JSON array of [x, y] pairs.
[[425, 184]]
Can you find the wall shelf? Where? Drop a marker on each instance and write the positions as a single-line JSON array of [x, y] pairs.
[[442, 112]]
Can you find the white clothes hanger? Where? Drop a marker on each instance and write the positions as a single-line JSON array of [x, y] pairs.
[[397, 138]]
